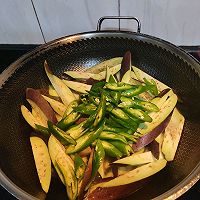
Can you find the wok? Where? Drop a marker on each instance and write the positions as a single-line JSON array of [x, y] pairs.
[[159, 58]]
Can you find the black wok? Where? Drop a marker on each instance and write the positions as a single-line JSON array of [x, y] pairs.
[[159, 58]]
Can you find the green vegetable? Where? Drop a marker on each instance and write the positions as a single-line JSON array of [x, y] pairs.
[[101, 110], [86, 140], [134, 91], [77, 130], [70, 108], [120, 86], [105, 135], [139, 114], [87, 109], [43, 130], [111, 150], [124, 148], [99, 155], [79, 167], [68, 120], [60, 134], [137, 103]]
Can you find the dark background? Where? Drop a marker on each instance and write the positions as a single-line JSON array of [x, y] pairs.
[[9, 53]]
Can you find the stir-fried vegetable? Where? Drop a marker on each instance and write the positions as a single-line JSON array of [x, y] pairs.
[[97, 128]]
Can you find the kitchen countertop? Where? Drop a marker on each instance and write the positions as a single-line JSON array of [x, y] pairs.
[[9, 53]]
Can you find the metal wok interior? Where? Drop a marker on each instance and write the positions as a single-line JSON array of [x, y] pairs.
[[159, 58]]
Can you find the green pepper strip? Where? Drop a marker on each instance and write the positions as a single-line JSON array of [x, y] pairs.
[[76, 131], [43, 130], [79, 167], [105, 135], [99, 155], [120, 86], [124, 148], [111, 150], [87, 109], [68, 120], [134, 91], [60, 134], [128, 137], [101, 110], [139, 114], [86, 140], [117, 130], [136, 103], [152, 87], [70, 108], [90, 120]]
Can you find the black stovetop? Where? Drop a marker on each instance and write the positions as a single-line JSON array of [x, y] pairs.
[[9, 53]]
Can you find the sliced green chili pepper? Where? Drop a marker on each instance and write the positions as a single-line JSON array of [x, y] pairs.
[[136, 103], [101, 110], [68, 120], [134, 91], [115, 96], [96, 88], [90, 120], [124, 148], [151, 85], [145, 105], [128, 136], [117, 130], [141, 115], [77, 131], [99, 155], [70, 108], [79, 167], [111, 150], [87, 109], [112, 123], [60, 134], [106, 135], [129, 123], [86, 140], [120, 86], [43, 130]]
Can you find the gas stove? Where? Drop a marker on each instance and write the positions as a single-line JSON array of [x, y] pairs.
[[9, 53]]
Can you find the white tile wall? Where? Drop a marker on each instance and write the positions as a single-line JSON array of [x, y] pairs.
[[176, 21], [64, 17], [18, 24]]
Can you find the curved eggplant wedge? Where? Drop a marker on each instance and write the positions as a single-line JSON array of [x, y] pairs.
[[134, 175], [172, 135], [37, 98], [103, 65], [158, 117], [137, 159], [62, 90], [149, 137], [42, 161], [116, 192]]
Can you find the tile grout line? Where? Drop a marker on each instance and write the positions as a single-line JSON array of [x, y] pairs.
[[119, 14], [38, 21]]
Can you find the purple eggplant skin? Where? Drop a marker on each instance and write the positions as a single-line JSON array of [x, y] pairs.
[[154, 148], [87, 176], [116, 192], [149, 137], [163, 92], [36, 97], [126, 64]]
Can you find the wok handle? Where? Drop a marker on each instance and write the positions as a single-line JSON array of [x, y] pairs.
[[118, 17]]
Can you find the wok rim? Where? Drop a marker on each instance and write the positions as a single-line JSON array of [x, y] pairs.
[[172, 193]]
